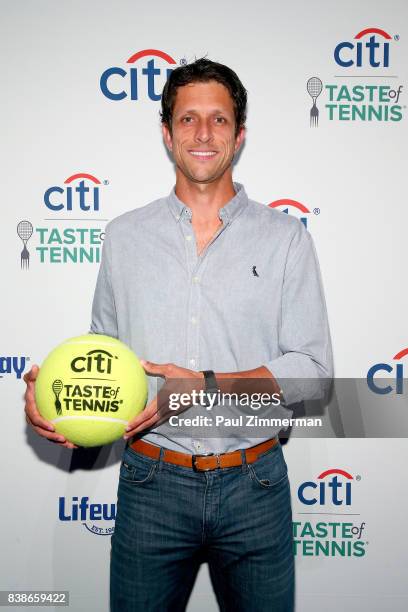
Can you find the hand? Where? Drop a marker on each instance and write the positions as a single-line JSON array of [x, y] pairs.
[[178, 380], [43, 428]]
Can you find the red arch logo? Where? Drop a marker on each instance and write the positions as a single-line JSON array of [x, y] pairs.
[[401, 354], [288, 202], [84, 175], [149, 52], [335, 471], [373, 31]]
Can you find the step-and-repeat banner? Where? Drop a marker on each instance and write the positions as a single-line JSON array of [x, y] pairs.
[[326, 142]]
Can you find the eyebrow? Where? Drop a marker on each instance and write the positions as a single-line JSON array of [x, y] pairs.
[[216, 111]]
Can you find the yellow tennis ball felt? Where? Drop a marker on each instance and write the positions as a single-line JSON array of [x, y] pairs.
[[90, 387]]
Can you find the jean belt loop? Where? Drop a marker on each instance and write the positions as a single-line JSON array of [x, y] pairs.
[[244, 461], [160, 459]]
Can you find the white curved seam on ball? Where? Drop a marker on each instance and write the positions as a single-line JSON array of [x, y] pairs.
[[90, 418]]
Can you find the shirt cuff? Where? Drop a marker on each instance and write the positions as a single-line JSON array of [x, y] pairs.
[[299, 378]]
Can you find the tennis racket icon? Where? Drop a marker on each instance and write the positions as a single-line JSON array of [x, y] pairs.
[[57, 387], [314, 89], [25, 231]]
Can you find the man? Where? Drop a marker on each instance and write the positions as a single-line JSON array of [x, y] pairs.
[[203, 281]]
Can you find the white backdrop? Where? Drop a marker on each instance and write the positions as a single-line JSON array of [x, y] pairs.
[[349, 173]]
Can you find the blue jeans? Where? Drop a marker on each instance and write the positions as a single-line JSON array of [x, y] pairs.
[[171, 519]]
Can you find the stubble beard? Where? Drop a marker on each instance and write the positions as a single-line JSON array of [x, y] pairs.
[[210, 179]]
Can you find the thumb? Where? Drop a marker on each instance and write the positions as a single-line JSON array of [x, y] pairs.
[[153, 368], [32, 374]]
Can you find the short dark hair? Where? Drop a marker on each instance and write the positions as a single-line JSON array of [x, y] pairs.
[[201, 71]]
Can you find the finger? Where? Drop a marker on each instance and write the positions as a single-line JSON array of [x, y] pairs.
[[35, 417], [56, 438], [158, 369], [67, 444], [143, 426], [141, 418], [53, 436]]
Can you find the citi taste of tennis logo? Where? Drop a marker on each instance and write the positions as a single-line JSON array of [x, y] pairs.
[[142, 77], [96, 518], [92, 392], [365, 86], [326, 523], [72, 231]]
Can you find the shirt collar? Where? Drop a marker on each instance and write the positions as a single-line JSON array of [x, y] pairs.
[[227, 213]]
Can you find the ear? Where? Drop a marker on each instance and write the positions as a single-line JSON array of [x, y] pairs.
[[240, 138], [167, 136]]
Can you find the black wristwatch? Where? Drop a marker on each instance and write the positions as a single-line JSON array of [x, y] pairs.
[[210, 382]]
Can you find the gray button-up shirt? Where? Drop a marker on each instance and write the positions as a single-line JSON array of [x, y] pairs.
[[253, 297]]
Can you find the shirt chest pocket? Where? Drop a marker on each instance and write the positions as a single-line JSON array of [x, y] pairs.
[[242, 290]]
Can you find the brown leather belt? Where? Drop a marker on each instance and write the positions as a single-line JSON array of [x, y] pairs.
[[203, 463]]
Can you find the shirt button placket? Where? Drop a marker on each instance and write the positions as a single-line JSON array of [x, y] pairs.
[[193, 323], [193, 315]]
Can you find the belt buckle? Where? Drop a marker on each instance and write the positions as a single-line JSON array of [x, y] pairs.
[[195, 468]]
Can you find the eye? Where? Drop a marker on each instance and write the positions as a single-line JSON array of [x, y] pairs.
[[187, 119], [220, 120]]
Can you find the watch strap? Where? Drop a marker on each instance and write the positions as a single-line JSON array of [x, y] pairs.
[[211, 385]]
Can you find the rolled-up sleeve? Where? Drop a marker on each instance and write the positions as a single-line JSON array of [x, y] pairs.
[[305, 368], [104, 318]]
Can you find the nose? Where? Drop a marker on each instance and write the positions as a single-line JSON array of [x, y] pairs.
[[204, 131]]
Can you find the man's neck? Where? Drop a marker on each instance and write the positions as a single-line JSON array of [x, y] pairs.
[[205, 199]]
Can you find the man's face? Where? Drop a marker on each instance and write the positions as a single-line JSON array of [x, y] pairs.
[[203, 140]]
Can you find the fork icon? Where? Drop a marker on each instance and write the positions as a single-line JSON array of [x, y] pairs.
[[24, 231], [314, 115]]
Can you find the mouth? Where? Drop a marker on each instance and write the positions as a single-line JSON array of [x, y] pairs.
[[203, 155]]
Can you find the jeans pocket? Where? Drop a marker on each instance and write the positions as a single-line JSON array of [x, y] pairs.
[[269, 470], [137, 472]]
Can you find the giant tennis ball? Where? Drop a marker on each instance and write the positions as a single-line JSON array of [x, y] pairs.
[[90, 387]]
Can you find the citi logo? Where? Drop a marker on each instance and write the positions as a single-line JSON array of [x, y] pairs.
[[118, 83], [98, 360], [80, 192], [369, 48], [13, 365], [378, 386], [332, 487], [292, 206]]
